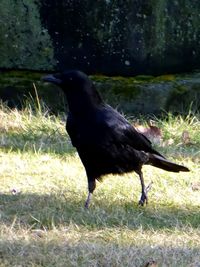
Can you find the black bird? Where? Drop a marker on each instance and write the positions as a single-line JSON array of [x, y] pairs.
[[106, 142]]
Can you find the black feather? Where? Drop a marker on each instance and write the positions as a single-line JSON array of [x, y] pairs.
[[106, 142]]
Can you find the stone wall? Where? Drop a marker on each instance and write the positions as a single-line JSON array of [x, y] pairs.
[[112, 37]]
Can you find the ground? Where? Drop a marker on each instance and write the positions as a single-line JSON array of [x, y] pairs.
[[43, 187]]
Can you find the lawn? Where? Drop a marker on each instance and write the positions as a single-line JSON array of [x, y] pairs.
[[43, 187]]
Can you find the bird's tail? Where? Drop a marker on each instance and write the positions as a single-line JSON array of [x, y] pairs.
[[162, 163]]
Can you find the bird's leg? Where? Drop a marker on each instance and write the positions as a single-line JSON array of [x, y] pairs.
[[144, 198], [91, 187], [87, 202]]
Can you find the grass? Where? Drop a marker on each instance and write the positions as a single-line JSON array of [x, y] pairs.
[[43, 188]]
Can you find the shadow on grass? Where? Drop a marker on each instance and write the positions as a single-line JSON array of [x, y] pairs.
[[42, 252], [47, 211]]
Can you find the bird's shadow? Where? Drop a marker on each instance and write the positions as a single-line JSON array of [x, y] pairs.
[[46, 211]]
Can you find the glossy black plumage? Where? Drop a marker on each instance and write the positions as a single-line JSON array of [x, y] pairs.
[[106, 142]]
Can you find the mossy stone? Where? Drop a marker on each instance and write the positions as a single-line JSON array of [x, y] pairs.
[[134, 95]]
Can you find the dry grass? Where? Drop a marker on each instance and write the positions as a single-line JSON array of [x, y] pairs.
[[43, 188]]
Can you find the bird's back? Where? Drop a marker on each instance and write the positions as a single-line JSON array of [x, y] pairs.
[[106, 142]]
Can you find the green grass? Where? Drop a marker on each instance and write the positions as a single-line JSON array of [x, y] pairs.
[[43, 187]]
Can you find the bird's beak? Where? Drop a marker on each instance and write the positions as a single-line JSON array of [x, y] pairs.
[[51, 79]]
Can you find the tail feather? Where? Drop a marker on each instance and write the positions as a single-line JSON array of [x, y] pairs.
[[165, 164]]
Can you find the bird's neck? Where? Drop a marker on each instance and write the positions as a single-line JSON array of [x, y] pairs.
[[84, 102]]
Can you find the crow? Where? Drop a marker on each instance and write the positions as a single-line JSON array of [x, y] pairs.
[[105, 141]]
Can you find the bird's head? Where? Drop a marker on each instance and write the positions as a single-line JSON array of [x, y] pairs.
[[78, 88], [68, 80]]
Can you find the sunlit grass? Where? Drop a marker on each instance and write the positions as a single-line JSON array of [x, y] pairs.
[[43, 187]]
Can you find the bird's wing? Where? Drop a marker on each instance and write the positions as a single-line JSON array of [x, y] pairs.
[[106, 130], [122, 132]]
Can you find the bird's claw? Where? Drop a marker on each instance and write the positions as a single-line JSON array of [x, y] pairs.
[[143, 199], [87, 202], [86, 205]]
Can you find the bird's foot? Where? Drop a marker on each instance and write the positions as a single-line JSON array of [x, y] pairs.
[[144, 197], [87, 202], [86, 205]]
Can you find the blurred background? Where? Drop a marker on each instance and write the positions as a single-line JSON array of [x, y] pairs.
[[105, 38]]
